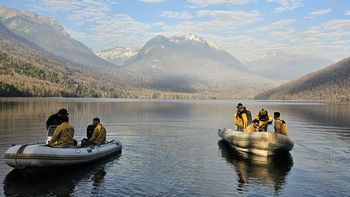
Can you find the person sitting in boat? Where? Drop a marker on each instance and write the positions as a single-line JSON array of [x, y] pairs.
[[243, 118], [253, 127], [56, 119], [236, 120], [99, 134], [281, 126], [63, 135], [264, 118]]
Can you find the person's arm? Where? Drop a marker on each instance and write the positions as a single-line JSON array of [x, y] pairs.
[[95, 134], [55, 136], [235, 118]]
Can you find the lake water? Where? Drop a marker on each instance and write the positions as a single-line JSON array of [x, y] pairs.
[[171, 148]]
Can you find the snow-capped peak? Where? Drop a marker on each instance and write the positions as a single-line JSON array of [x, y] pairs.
[[117, 55], [194, 39]]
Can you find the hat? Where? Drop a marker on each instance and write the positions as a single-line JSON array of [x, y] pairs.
[[241, 107], [63, 111], [239, 104]]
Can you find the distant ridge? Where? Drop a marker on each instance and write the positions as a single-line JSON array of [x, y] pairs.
[[285, 66], [330, 83]]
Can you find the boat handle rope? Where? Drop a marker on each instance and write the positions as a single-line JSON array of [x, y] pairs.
[[20, 151]]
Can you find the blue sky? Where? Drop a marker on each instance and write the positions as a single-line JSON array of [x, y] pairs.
[[245, 28]]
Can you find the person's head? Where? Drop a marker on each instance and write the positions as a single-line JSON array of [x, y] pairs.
[[65, 119], [256, 122], [276, 114], [96, 121], [241, 108], [262, 112], [63, 112], [239, 104]]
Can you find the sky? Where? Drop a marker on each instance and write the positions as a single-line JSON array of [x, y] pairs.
[[247, 29]]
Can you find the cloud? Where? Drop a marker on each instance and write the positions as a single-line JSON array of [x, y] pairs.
[[233, 18], [152, 1], [204, 3], [318, 13], [81, 12], [347, 13], [213, 22], [102, 28], [282, 23], [273, 26], [176, 15], [60, 5], [343, 24], [75, 34], [286, 5], [120, 29]]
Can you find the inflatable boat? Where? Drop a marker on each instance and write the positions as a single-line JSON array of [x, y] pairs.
[[258, 143], [44, 156]]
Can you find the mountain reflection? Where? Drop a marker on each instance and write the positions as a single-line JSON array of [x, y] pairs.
[[256, 170]]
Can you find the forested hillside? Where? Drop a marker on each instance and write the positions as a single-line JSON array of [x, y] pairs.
[[331, 83], [26, 73]]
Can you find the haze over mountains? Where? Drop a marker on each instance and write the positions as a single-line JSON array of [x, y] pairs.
[[38, 51], [281, 65], [330, 83], [190, 63]]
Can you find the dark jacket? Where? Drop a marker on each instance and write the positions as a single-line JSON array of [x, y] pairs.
[[90, 130], [54, 119]]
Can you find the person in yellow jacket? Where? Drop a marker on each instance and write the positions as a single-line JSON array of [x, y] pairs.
[[63, 135], [281, 126], [242, 118], [264, 118], [99, 134], [253, 127]]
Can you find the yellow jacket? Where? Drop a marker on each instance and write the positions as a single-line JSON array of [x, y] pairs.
[[281, 126], [251, 128], [63, 136], [99, 135], [263, 123], [241, 122]]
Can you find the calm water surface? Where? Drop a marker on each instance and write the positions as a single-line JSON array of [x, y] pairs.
[[171, 148]]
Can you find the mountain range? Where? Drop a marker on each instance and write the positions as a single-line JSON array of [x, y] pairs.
[[38, 58], [190, 63], [51, 38]]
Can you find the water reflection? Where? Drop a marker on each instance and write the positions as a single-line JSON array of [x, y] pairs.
[[256, 170], [55, 182]]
